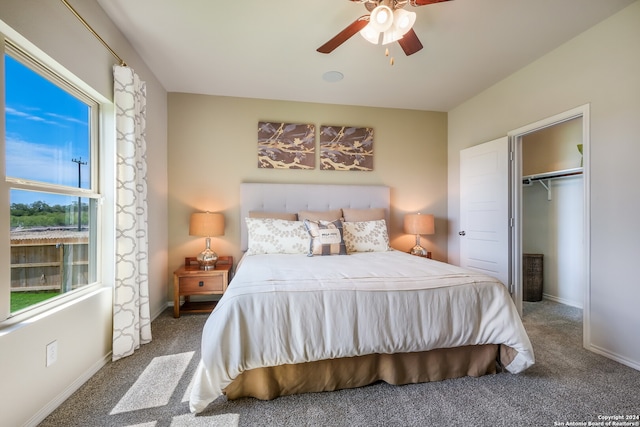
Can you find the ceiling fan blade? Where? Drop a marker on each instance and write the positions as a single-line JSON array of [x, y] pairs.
[[344, 35], [410, 43], [424, 2]]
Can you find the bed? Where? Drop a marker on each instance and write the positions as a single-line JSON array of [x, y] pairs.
[[331, 305]]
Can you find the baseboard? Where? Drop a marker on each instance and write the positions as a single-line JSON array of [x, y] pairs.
[[44, 412], [620, 359], [562, 301], [161, 310]]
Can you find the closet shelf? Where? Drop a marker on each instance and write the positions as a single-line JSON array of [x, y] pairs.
[[548, 176], [552, 175]]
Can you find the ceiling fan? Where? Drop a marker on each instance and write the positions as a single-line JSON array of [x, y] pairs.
[[387, 22]]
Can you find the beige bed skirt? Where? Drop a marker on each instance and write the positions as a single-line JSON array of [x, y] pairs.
[[351, 372]]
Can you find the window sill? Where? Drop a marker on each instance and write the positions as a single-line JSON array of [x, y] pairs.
[[32, 315]]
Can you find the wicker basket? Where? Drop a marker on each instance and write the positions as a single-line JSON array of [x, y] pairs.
[[532, 277]]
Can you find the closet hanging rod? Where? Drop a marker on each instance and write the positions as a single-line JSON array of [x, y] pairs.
[[552, 175]]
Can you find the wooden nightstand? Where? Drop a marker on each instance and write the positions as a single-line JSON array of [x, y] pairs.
[[190, 280]]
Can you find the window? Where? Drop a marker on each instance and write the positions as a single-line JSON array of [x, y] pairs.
[[50, 158]]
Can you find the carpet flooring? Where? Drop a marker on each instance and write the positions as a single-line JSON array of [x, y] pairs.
[[567, 386]]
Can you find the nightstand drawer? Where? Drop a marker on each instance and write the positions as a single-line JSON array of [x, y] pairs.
[[194, 285]]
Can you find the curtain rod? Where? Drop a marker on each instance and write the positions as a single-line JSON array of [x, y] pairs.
[[81, 19]]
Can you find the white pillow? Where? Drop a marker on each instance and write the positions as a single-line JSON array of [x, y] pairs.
[[276, 236], [366, 236]]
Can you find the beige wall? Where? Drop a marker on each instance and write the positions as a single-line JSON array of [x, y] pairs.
[[82, 327], [213, 148], [553, 148], [600, 68]]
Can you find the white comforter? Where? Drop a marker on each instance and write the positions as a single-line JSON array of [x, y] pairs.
[[286, 309]]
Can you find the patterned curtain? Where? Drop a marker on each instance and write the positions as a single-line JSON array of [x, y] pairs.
[[131, 319]]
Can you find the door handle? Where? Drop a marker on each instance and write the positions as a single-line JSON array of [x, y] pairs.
[[462, 233]]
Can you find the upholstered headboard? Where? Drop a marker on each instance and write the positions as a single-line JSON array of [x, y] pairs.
[[294, 198]]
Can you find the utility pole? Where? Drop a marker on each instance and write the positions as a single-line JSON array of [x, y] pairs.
[[80, 163]]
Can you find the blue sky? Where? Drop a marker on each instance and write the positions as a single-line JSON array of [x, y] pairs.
[[46, 128]]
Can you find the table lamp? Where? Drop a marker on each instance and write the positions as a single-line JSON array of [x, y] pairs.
[[207, 224], [419, 224]]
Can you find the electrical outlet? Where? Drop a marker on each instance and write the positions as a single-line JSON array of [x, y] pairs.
[[52, 353]]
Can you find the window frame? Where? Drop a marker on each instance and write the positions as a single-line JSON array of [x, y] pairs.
[[27, 54]]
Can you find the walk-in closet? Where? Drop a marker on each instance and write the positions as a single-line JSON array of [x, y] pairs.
[[553, 209]]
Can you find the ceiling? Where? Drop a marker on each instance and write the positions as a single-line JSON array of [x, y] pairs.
[[267, 49]]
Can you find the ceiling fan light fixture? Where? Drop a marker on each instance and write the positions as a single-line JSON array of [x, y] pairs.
[[381, 18], [391, 35], [370, 34], [403, 21]]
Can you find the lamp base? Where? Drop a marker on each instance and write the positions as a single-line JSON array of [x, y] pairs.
[[207, 259], [418, 250]]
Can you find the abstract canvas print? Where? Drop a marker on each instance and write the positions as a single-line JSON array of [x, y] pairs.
[[346, 148], [286, 146]]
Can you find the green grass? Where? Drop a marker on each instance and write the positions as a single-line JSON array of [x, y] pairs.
[[20, 300]]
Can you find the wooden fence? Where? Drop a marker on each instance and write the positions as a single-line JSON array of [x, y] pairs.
[[45, 264]]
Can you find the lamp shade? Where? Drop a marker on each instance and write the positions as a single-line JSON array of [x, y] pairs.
[[403, 20], [419, 224], [206, 224], [370, 34], [402, 23], [381, 18], [390, 36]]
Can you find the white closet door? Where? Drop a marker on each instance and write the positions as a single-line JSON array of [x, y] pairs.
[[484, 204]]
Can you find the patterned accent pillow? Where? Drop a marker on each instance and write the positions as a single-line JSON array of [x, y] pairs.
[[326, 238], [276, 236], [366, 236]]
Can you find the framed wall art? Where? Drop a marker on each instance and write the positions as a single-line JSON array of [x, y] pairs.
[[346, 148], [286, 146]]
